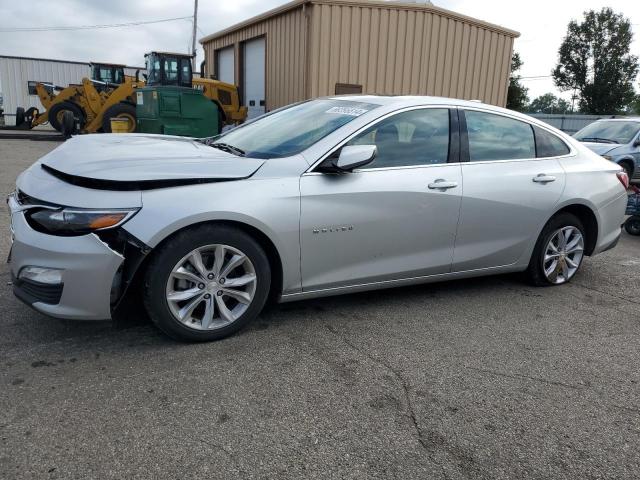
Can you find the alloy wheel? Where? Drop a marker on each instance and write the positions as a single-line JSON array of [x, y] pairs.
[[563, 254], [211, 287]]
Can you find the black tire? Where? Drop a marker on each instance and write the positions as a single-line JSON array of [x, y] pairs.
[[535, 271], [119, 110], [56, 113], [173, 250], [68, 124], [20, 117], [632, 225]]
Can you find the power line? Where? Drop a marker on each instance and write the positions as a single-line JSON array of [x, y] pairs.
[[536, 77], [90, 27]]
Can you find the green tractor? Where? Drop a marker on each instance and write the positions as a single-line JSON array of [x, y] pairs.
[[169, 104]]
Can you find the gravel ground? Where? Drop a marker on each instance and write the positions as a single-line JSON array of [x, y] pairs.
[[485, 378]]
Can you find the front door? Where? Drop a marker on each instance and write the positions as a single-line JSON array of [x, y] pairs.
[[390, 220], [509, 192]]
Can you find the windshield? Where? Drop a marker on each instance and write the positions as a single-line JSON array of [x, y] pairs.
[[293, 129], [608, 132]]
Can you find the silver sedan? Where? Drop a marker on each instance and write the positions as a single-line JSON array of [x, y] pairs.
[[324, 197]]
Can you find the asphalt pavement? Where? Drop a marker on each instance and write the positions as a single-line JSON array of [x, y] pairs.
[[485, 378]]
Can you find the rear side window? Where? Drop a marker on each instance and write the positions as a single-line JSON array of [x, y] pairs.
[[548, 145], [494, 137]]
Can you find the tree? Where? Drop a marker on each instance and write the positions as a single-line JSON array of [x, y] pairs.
[[634, 106], [595, 61], [549, 103], [517, 98]]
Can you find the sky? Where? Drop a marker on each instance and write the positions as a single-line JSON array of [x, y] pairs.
[[542, 25]]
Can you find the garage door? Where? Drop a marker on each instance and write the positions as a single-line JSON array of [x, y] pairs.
[[226, 65], [254, 77]]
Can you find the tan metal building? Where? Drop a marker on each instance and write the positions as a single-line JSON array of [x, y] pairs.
[[310, 48]]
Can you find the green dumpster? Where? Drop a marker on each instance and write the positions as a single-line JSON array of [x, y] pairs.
[[173, 110]]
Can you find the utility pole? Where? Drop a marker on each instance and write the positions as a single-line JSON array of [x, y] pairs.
[[193, 39]]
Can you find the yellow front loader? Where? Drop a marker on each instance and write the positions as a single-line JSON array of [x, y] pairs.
[[109, 93]]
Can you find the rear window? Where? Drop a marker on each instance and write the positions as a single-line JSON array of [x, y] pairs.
[[549, 145]]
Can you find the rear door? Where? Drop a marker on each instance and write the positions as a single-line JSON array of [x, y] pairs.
[[509, 190], [396, 218]]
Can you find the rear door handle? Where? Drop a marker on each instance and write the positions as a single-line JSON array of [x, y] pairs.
[[442, 184], [542, 178]]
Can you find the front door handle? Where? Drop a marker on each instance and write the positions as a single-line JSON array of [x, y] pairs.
[[542, 178], [442, 184]]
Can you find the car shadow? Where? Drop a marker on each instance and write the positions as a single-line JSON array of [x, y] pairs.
[[134, 328]]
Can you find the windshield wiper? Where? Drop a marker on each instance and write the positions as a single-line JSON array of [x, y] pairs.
[[225, 147], [597, 140]]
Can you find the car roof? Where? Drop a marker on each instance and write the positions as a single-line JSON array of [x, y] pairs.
[[402, 101], [626, 119]]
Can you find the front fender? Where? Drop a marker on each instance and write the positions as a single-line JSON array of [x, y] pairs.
[[271, 206]]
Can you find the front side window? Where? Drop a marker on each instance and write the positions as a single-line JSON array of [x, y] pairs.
[[293, 129], [609, 131], [494, 137], [416, 137]]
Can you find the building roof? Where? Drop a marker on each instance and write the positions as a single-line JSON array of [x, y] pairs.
[[12, 57], [362, 3]]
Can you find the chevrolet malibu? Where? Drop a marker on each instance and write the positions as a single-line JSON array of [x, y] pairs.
[[324, 197]]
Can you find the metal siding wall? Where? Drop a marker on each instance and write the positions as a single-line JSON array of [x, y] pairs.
[[286, 45], [391, 50], [388, 49]]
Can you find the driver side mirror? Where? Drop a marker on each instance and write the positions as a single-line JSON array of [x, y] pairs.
[[349, 158], [637, 142]]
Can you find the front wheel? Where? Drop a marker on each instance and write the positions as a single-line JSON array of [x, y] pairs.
[[57, 112], [207, 283], [559, 251]]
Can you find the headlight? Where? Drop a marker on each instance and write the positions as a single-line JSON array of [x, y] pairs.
[[607, 157], [67, 221]]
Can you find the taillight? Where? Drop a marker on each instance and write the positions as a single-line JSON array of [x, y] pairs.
[[624, 179]]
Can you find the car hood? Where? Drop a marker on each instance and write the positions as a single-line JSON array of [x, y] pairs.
[[600, 148], [138, 161]]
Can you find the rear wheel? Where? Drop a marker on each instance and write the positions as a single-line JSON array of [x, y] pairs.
[[558, 252], [120, 110], [207, 283], [56, 113]]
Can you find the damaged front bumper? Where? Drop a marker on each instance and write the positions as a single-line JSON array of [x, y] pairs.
[[93, 273]]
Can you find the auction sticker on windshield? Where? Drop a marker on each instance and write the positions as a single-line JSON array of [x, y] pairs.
[[351, 111]]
